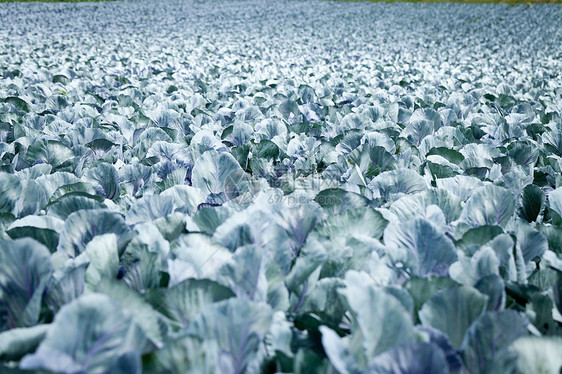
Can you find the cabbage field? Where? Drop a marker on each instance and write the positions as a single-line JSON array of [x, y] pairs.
[[287, 186]]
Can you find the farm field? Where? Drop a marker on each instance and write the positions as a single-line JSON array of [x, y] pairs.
[[280, 187]]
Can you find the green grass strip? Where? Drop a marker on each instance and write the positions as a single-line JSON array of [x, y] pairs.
[[50, 1], [509, 2]]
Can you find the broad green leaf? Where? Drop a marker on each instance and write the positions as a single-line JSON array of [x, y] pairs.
[[431, 335], [553, 235], [172, 226], [324, 298], [50, 152], [478, 236], [103, 257], [78, 188], [150, 208], [143, 258], [6, 220], [54, 181], [280, 335], [337, 351], [557, 291], [44, 229], [25, 268], [146, 317], [186, 198], [66, 284], [268, 150], [414, 205], [238, 326], [310, 258], [88, 335], [399, 181], [542, 317], [420, 246], [489, 205], [555, 201], [245, 275], [538, 355], [493, 287], [337, 201], [360, 221], [208, 218], [409, 358], [532, 243], [416, 130], [485, 347], [10, 191], [287, 108], [212, 172], [422, 289], [379, 321], [105, 179], [450, 154], [369, 162], [16, 343], [182, 302], [307, 361], [185, 355], [452, 311], [32, 200], [524, 154], [532, 202], [553, 139], [440, 168], [462, 186], [196, 256], [82, 226], [469, 270], [19, 103]]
